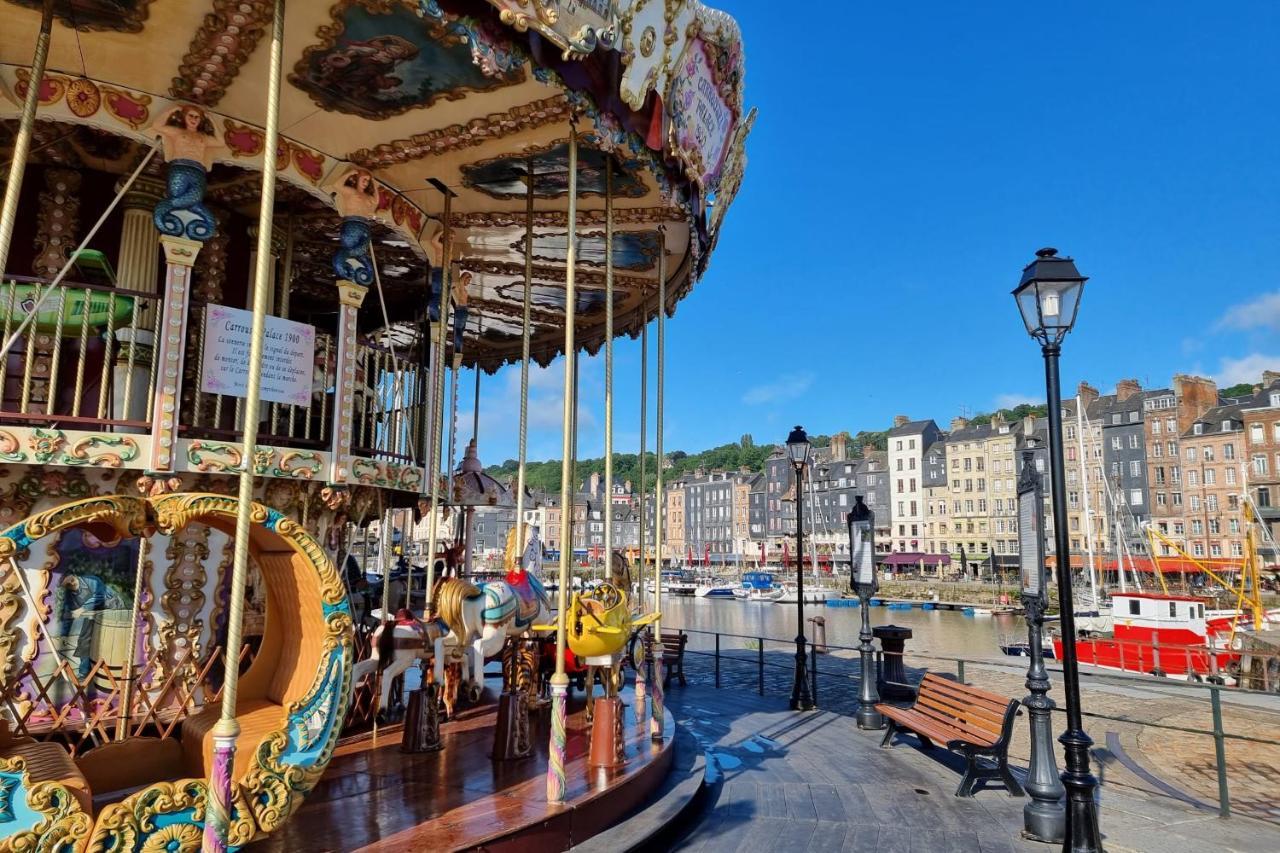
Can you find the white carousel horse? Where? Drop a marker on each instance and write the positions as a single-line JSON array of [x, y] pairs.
[[411, 639], [483, 617]]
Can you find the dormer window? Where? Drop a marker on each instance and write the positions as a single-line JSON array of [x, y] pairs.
[[1226, 426], [1198, 429], [1275, 400]]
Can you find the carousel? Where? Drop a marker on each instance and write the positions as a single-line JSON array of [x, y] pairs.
[[248, 253]]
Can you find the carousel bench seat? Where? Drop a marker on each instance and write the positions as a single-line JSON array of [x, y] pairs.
[[50, 762], [257, 718], [118, 768]]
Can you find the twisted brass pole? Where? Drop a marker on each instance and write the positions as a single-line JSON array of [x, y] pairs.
[[656, 723], [524, 359], [218, 816], [560, 681], [608, 366], [437, 398], [22, 141]]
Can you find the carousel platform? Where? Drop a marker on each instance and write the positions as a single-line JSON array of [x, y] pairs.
[[375, 797]]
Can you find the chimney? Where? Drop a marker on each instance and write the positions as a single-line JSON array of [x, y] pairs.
[[1087, 394], [1028, 426], [868, 450], [959, 423], [900, 420], [1196, 395], [1270, 377], [1126, 388], [594, 483], [840, 447], [626, 485]]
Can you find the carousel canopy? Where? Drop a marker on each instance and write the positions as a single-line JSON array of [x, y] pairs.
[[471, 96]]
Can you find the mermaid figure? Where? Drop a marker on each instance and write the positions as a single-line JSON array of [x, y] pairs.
[[189, 146], [356, 197]]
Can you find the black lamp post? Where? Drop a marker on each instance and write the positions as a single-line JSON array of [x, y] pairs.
[[1048, 298], [862, 568], [1044, 817], [798, 451]]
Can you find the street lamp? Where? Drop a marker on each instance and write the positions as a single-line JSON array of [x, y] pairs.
[[862, 568], [798, 451], [1044, 816], [1048, 298]]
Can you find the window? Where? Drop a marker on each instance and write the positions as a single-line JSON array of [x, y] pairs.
[[1191, 454], [1215, 526], [1255, 433], [1260, 463], [1155, 427], [1171, 449], [1135, 497], [1195, 502], [1135, 607], [1115, 469], [1192, 478], [1237, 550], [1133, 441], [1197, 528], [1198, 549], [1231, 476], [1177, 498], [1157, 450], [1170, 426], [1133, 416], [1264, 496], [1135, 468], [1115, 442], [1197, 429], [1275, 431], [1179, 529], [1173, 608]]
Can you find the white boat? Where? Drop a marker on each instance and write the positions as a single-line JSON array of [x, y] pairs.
[[710, 588], [821, 595], [758, 586], [676, 583]]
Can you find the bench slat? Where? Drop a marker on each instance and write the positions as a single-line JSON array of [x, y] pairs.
[[933, 729], [976, 693], [964, 698], [963, 717], [963, 732]]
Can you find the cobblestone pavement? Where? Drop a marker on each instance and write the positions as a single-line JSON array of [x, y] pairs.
[[1133, 754], [812, 781]]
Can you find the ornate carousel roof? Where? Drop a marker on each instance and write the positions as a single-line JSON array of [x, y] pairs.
[[476, 95]]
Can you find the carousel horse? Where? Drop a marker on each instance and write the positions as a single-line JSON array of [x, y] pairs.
[[484, 617], [393, 652]]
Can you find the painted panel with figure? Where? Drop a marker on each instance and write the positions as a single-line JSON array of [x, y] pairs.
[[507, 177], [380, 59]]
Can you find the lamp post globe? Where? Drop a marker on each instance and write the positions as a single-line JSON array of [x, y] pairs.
[[1048, 298], [798, 448]]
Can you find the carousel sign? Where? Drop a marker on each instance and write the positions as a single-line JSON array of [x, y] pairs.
[[702, 120], [287, 357]]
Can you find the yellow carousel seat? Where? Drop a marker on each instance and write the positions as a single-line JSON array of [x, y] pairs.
[[281, 673], [47, 762]]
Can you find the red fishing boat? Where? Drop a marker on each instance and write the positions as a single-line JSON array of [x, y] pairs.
[[1154, 634]]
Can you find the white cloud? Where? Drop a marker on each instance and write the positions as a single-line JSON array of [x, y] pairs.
[[1260, 313], [1233, 371], [1010, 401], [786, 387]]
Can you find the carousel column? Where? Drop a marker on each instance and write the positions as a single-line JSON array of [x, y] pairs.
[[656, 722], [227, 729], [560, 680], [138, 269], [437, 398], [641, 665], [179, 256], [350, 298]]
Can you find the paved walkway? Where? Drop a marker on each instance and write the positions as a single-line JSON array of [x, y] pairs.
[[814, 782], [1137, 754]]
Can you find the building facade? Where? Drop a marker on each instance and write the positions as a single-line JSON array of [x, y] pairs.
[[907, 442]]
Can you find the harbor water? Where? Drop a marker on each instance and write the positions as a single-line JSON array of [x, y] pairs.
[[948, 633]]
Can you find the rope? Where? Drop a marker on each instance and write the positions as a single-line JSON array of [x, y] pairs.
[[560, 681], [66, 267], [227, 729], [656, 723], [22, 142]]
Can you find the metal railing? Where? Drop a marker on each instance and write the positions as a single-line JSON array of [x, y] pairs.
[[86, 362], [714, 648], [389, 406], [221, 416]]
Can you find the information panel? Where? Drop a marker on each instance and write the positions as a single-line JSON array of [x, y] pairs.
[[287, 359]]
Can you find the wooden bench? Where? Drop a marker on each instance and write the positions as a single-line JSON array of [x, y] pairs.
[[964, 719], [672, 644]]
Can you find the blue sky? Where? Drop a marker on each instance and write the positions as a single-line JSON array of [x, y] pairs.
[[908, 160]]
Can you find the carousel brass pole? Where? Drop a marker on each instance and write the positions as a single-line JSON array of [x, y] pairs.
[[437, 399], [218, 816], [22, 142], [524, 361], [608, 368], [656, 722], [560, 681], [644, 490]]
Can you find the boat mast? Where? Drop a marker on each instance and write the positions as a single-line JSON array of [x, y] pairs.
[[1081, 421]]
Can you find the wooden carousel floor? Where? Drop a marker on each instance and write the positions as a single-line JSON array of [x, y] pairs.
[[375, 797]]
